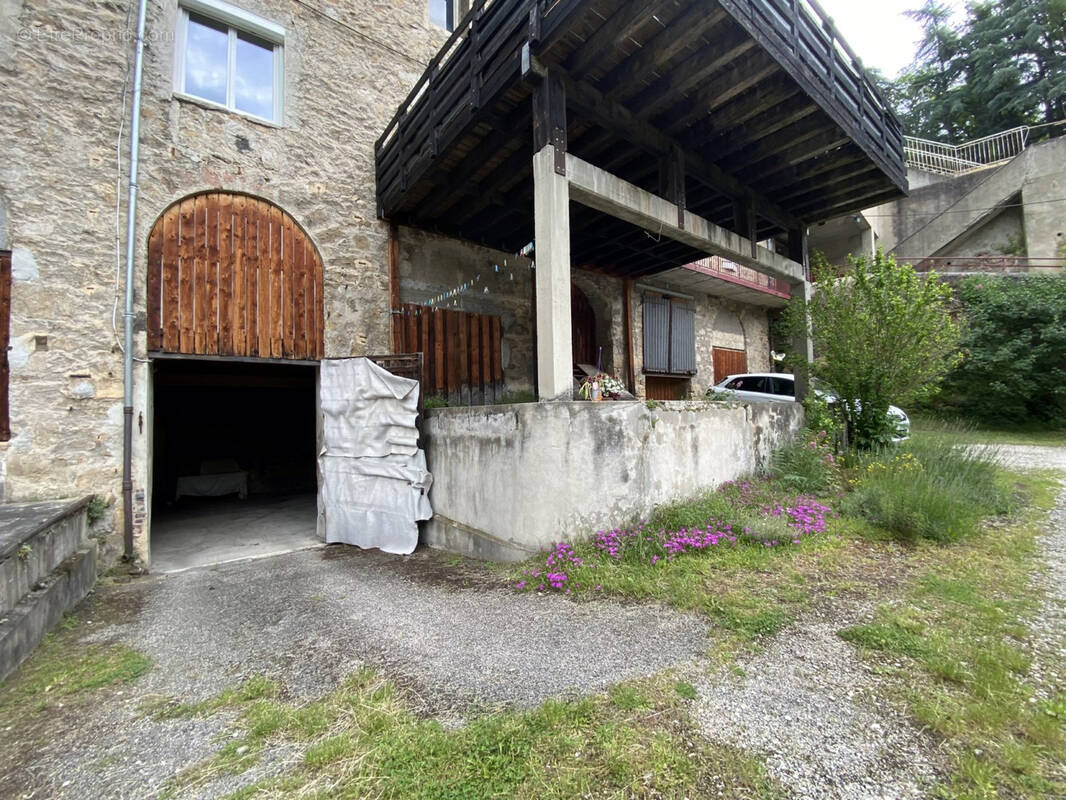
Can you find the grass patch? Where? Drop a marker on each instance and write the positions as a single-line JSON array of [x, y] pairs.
[[966, 673], [58, 671], [960, 431], [363, 741], [258, 687], [928, 488]]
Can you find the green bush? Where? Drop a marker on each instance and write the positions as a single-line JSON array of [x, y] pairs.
[[928, 489], [1014, 345], [807, 465]]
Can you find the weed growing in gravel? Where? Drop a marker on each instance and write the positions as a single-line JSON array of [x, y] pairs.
[[363, 741], [56, 672], [956, 650]]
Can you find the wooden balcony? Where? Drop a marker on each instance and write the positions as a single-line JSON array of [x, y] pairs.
[[751, 114]]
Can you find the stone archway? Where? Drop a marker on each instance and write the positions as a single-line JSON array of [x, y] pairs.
[[233, 275]]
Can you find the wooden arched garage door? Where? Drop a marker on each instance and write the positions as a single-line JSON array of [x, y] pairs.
[[233, 275]]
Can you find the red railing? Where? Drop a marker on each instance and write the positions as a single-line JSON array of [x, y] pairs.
[[726, 270]]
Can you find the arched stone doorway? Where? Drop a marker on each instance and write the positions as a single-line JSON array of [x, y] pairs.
[[233, 275], [235, 322]]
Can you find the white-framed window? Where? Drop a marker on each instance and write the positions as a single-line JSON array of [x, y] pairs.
[[448, 13], [230, 58]]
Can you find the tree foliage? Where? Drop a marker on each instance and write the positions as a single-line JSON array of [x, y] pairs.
[[883, 334], [1014, 345], [1002, 66]]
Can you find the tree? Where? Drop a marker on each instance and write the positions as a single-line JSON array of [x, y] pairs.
[[1003, 66], [882, 334], [1014, 345]]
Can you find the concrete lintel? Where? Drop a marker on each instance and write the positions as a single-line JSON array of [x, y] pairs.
[[599, 189]]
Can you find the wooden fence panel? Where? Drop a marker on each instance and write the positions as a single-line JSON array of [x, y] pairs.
[[461, 353], [230, 274]]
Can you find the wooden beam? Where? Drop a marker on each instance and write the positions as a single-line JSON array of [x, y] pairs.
[[614, 116], [626, 21], [680, 34], [765, 96], [549, 118]]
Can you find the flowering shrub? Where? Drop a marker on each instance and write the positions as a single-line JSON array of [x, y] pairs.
[[772, 522]]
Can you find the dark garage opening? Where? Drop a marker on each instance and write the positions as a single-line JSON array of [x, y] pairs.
[[234, 461]]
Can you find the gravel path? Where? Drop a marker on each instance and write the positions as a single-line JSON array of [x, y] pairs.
[[308, 619], [807, 702]]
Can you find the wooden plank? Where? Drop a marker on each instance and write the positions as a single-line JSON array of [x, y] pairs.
[[154, 280], [5, 338], [252, 247], [170, 224], [288, 278], [299, 295], [187, 276], [485, 323], [262, 278], [497, 358], [199, 343], [319, 322], [225, 274], [410, 330], [240, 276], [440, 376], [211, 325], [199, 276], [463, 353], [451, 354], [477, 382], [424, 325], [276, 280]]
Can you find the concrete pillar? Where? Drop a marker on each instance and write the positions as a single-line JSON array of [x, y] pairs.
[[551, 210], [802, 346], [868, 248]]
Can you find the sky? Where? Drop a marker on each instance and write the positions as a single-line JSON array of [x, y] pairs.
[[878, 31]]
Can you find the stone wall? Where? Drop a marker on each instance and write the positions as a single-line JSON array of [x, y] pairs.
[[63, 64], [601, 464]]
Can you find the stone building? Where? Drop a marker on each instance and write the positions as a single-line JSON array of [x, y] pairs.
[[259, 134]]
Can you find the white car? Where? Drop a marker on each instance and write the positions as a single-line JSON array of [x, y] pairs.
[[780, 386]]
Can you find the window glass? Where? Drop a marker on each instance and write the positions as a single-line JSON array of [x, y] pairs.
[[784, 386], [439, 13], [253, 77], [206, 59]]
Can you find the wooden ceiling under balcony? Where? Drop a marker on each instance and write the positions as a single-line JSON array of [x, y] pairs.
[[753, 112]]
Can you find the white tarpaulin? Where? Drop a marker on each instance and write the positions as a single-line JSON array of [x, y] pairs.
[[375, 486]]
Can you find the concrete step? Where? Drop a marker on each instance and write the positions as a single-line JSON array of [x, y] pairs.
[[35, 538], [23, 627]]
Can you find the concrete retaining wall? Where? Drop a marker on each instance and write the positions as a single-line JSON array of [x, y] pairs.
[[511, 480]]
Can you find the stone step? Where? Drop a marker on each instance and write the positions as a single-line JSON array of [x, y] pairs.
[[22, 628], [35, 538]]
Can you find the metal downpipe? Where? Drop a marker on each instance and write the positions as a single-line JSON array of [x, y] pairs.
[[127, 316]]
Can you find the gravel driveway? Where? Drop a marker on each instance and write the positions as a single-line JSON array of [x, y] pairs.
[[806, 703], [308, 619]]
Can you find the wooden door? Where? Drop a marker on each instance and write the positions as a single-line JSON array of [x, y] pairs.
[[583, 326], [729, 362], [233, 275]]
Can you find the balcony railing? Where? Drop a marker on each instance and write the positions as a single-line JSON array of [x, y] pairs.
[[952, 159], [725, 269]]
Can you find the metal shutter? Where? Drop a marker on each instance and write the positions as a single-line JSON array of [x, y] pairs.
[[656, 334], [682, 339]]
